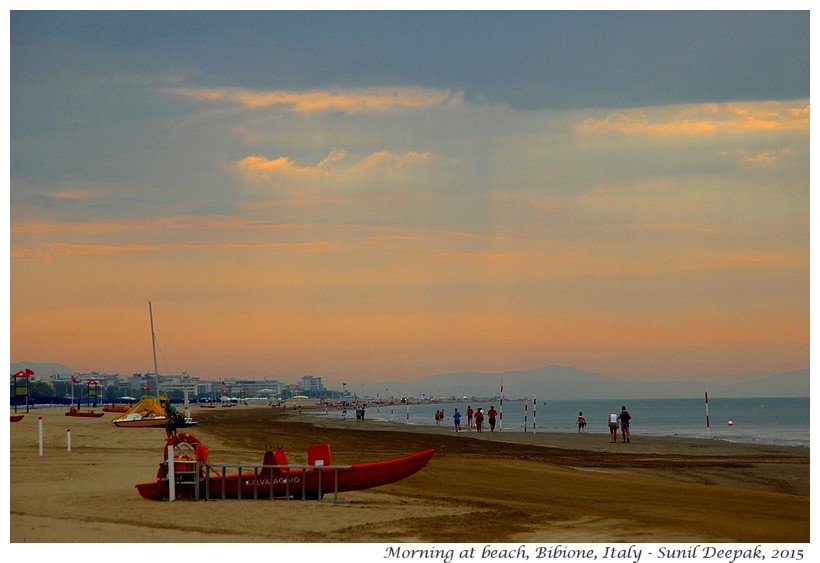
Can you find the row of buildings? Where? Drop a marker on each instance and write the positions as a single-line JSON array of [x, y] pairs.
[[117, 386]]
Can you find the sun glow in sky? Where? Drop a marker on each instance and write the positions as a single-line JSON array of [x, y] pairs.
[[381, 195]]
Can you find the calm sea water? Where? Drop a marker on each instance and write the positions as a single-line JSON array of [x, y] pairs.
[[781, 421]]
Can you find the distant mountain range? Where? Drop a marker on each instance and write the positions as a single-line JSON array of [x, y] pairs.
[[556, 382], [42, 368], [562, 382]]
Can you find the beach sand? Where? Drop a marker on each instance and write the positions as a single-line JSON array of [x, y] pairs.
[[502, 487]]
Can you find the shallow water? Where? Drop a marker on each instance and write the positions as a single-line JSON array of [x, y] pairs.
[[780, 421]]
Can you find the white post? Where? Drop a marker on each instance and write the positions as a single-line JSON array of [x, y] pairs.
[[186, 404], [172, 493], [40, 434], [68, 438], [501, 406]]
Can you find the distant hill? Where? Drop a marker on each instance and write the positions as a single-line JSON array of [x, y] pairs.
[[41, 368], [562, 382]]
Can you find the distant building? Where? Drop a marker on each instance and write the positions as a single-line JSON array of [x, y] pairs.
[[312, 386]]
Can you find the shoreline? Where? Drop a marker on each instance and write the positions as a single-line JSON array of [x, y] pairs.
[[538, 488], [597, 441]]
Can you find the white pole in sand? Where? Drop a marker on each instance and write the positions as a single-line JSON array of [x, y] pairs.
[[40, 434], [68, 438], [501, 406], [526, 408], [172, 493]]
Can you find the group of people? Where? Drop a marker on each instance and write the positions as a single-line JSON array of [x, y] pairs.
[[621, 419], [614, 421], [475, 418]]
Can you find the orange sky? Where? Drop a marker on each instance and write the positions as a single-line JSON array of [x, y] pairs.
[[395, 231]]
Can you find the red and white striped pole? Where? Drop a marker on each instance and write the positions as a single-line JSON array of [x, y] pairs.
[[534, 403], [706, 398]]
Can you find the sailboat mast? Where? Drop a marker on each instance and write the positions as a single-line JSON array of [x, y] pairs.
[[153, 337]]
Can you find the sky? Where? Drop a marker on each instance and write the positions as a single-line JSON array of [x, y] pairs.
[[371, 196]]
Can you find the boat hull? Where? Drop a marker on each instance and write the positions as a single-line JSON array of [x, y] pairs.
[[312, 483], [17, 417], [142, 423], [86, 414]]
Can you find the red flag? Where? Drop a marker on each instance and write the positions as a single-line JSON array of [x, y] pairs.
[[73, 379]]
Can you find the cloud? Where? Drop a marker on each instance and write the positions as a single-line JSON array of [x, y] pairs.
[[74, 194], [152, 224], [378, 100], [62, 250], [704, 119], [386, 160], [762, 157], [258, 167]]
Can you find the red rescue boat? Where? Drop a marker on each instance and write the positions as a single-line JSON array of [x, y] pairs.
[[113, 408], [274, 477], [17, 417]]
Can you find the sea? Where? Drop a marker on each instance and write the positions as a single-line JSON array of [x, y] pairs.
[[772, 421]]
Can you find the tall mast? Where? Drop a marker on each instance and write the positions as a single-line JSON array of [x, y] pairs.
[[153, 337]]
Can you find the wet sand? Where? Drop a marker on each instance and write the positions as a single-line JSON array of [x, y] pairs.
[[502, 487]]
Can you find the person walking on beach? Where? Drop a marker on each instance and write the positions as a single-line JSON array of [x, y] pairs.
[[491, 414], [469, 417], [171, 425], [613, 427], [582, 422], [457, 420], [479, 420], [625, 417]]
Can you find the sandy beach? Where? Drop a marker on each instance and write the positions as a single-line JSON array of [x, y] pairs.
[[491, 487]]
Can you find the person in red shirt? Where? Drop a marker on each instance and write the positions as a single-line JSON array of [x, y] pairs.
[[479, 420], [469, 417], [491, 414]]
